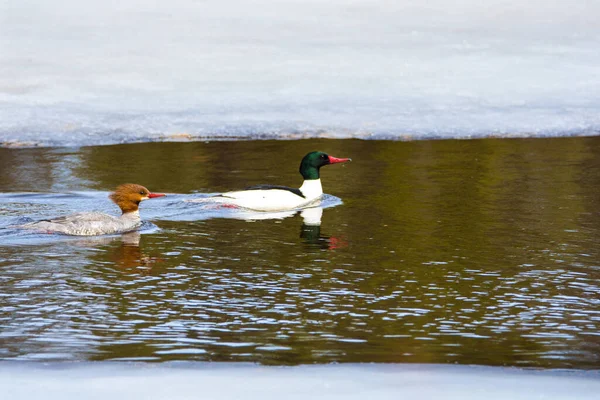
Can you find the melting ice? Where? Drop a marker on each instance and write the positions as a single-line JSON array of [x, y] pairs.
[[81, 73]]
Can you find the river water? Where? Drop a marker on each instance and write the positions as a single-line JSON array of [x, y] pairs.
[[457, 251]]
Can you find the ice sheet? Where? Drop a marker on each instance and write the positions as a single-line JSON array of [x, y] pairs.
[[347, 381], [97, 72]]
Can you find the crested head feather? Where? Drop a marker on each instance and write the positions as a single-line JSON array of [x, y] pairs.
[[128, 196]]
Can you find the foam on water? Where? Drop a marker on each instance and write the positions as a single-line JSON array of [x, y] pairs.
[[75, 73]]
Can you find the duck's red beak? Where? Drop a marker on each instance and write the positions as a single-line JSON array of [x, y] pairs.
[[334, 160], [153, 195]]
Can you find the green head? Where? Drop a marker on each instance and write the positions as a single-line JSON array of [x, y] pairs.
[[309, 167]]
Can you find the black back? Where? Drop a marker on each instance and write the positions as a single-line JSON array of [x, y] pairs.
[[297, 192]]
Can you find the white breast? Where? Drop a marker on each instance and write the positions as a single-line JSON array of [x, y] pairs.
[[312, 189]]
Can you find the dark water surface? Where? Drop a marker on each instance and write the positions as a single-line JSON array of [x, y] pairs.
[[471, 252]]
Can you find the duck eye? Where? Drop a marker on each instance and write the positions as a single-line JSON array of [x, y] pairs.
[[323, 156]]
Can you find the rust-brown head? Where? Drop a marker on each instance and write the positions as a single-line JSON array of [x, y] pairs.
[[129, 195]]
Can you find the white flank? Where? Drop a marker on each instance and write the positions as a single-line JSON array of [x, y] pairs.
[[88, 224], [274, 199]]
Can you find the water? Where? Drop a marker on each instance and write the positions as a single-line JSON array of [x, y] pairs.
[[470, 252], [136, 71]]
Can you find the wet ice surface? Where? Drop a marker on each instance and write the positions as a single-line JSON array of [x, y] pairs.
[[75, 74], [348, 382]]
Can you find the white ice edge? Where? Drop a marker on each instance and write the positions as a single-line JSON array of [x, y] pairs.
[[190, 380]]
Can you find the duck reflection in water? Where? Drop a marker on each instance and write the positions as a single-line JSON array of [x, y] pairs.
[[128, 256], [310, 231]]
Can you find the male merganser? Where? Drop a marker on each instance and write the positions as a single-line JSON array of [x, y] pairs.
[[279, 198], [127, 196]]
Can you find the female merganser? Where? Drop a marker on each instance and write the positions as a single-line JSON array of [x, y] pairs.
[[279, 198], [127, 196]]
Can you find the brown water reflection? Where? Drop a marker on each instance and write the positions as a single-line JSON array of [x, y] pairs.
[[482, 251]]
